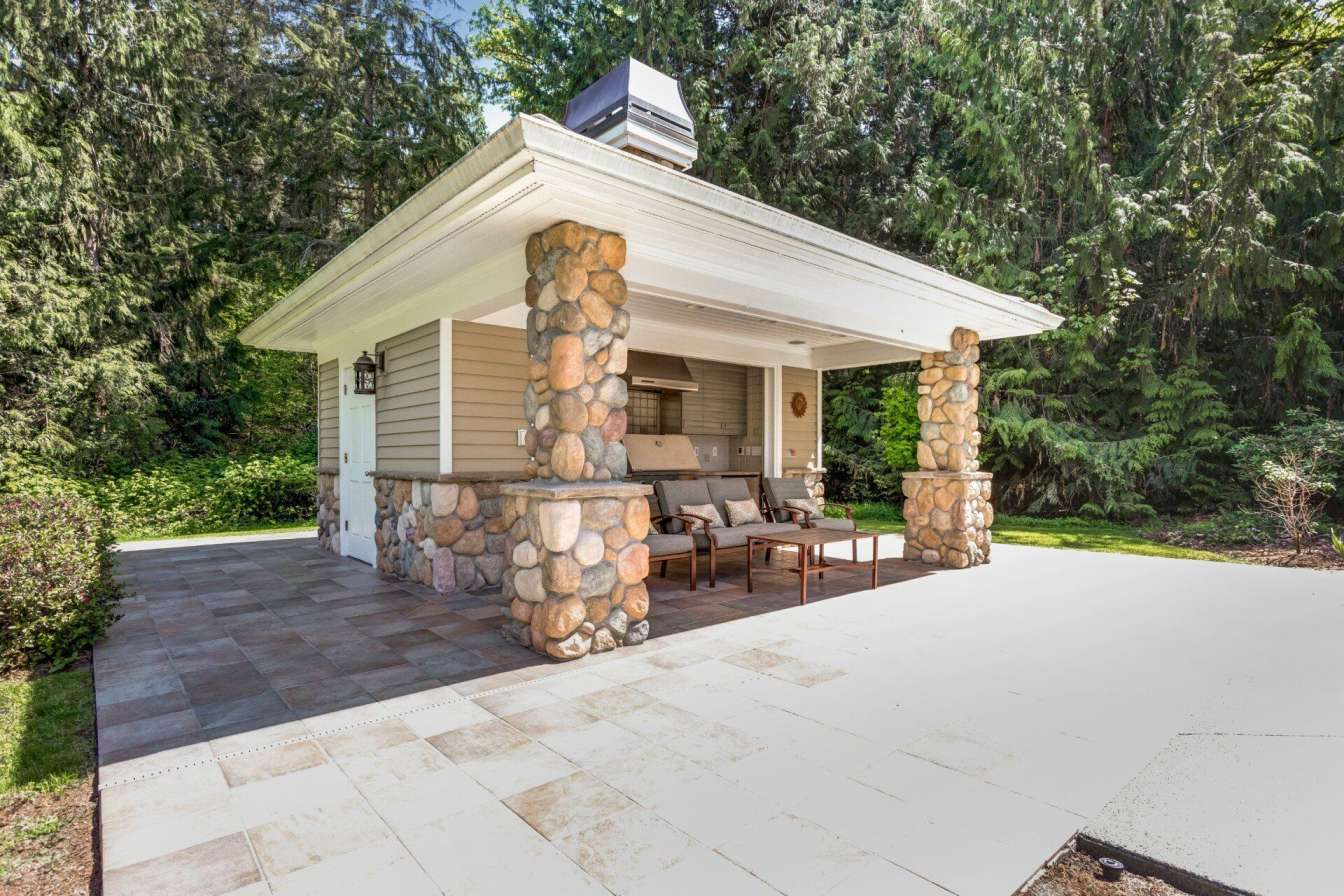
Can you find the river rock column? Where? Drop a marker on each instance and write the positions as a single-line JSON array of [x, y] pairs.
[[576, 579], [575, 398], [947, 502], [575, 583]]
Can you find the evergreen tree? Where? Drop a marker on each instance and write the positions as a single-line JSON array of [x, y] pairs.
[[1167, 177], [166, 172]]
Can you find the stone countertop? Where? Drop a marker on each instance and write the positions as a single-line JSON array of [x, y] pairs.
[[947, 474], [448, 477], [559, 491]]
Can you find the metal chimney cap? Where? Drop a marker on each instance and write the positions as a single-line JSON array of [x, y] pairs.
[[639, 109]]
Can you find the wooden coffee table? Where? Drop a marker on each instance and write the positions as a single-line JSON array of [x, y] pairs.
[[805, 540]]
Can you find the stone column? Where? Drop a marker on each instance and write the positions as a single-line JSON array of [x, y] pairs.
[[947, 502], [575, 398], [575, 582]]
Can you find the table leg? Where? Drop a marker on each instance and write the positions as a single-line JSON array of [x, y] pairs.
[[874, 559], [802, 575], [751, 552]]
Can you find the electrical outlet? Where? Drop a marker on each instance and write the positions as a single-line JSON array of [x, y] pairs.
[[522, 438]]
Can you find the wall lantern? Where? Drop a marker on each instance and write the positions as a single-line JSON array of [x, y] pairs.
[[366, 375]]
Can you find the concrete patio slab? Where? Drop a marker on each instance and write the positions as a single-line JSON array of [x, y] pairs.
[[942, 734], [1245, 811]]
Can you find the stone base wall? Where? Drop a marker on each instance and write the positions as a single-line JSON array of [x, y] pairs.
[[947, 518], [576, 581], [449, 535], [329, 512]]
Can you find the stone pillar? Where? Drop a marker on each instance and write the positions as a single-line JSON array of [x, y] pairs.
[[575, 582], [947, 502], [329, 510], [575, 398]]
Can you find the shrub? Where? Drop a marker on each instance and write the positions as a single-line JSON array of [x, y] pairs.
[[1227, 528], [1294, 470], [57, 593], [265, 489], [1293, 490], [180, 495]]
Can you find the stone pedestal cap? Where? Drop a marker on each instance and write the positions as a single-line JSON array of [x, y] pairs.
[[575, 491]]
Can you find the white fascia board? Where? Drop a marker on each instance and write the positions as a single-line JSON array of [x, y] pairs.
[[579, 158], [858, 354], [685, 235]]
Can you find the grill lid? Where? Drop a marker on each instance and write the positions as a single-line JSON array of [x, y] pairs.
[[638, 109]]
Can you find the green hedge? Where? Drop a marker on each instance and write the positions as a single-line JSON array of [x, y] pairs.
[[57, 594], [183, 496]]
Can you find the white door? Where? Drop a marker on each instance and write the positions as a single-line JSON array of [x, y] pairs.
[[357, 459]]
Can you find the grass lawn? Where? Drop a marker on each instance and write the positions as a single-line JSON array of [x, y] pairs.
[[1065, 532], [258, 529], [46, 783]]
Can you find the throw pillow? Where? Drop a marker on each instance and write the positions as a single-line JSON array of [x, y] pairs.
[[808, 505], [705, 510], [742, 513]]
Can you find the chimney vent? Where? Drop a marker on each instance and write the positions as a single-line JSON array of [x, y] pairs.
[[637, 109]]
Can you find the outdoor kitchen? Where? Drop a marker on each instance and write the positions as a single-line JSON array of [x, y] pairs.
[[688, 417]]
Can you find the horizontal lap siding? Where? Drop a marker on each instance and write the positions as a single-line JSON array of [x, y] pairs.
[[800, 433], [720, 405], [328, 414], [489, 374], [408, 401]]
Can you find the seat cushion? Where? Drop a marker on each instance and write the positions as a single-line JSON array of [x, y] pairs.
[[830, 522], [672, 493], [736, 537], [665, 545]]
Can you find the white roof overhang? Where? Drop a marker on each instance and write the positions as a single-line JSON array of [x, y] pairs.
[[699, 256]]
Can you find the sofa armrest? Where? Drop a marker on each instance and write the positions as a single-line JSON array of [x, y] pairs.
[[799, 516]]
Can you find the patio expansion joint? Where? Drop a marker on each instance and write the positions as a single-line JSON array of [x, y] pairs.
[[337, 729]]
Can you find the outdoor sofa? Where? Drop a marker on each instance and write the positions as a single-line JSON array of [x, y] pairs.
[[674, 494]]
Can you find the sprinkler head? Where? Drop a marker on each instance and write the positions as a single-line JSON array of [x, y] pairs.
[[1111, 869]]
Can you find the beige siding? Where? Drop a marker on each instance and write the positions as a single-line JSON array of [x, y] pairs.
[[720, 406], [754, 438], [489, 374], [408, 401], [328, 414], [800, 433]]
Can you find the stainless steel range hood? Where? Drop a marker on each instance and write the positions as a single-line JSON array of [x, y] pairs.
[[660, 373]]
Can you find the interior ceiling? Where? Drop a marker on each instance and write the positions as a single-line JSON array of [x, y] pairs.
[[730, 323]]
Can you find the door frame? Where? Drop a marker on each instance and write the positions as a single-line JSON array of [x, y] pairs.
[[347, 380]]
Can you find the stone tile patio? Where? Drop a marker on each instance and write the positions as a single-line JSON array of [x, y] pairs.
[[275, 720]]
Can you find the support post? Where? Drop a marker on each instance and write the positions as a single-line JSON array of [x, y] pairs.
[[578, 561], [947, 501]]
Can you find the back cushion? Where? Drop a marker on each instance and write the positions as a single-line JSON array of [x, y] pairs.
[[672, 493], [721, 490]]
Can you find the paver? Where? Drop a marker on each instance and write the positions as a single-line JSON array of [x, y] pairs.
[[912, 726]]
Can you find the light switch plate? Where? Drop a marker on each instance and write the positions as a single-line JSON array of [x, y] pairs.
[[522, 437]]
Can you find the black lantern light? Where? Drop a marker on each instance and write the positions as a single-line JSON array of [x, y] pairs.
[[366, 375]]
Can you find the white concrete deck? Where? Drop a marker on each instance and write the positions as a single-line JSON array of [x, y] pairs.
[[941, 735]]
